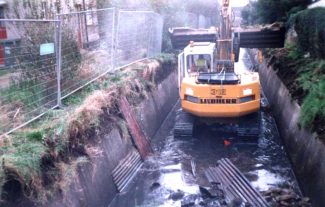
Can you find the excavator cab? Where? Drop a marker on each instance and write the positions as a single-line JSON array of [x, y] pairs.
[[197, 58], [210, 89]]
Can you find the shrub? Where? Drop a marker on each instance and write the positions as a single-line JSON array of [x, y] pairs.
[[269, 11], [312, 80], [313, 106], [310, 27]]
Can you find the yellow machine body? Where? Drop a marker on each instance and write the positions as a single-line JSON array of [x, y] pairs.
[[215, 101], [222, 93]]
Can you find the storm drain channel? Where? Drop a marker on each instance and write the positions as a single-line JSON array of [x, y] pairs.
[[234, 184], [126, 170]]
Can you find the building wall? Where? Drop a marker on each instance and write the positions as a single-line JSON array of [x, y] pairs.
[[44, 9]]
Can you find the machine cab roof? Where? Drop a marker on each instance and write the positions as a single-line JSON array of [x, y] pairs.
[[195, 48]]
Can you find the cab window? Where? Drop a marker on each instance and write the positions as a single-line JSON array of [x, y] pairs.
[[198, 63]]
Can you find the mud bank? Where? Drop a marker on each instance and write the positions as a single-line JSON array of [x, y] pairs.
[[94, 186], [306, 153]]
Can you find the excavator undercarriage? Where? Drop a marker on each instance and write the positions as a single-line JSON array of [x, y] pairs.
[[245, 128]]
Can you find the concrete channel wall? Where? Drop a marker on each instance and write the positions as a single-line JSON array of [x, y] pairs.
[[307, 153], [94, 184], [154, 110]]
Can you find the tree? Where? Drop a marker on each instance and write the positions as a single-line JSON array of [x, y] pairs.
[[269, 11]]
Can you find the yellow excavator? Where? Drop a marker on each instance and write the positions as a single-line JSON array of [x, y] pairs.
[[210, 89]]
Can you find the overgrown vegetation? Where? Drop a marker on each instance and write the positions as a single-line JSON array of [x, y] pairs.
[[22, 93], [310, 27], [305, 78], [43, 159], [270, 11], [301, 66], [34, 83]]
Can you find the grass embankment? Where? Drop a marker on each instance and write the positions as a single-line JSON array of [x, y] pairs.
[[301, 66], [40, 161]]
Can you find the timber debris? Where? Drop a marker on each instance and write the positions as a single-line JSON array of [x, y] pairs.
[[285, 197]]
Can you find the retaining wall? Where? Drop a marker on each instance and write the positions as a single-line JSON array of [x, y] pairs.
[[307, 153], [94, 184]]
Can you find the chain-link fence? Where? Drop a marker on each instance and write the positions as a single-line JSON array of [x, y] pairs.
[[28, 70], [43, 61], [139, 35], [87, 47]]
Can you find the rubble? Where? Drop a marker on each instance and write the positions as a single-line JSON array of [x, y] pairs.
[[154, 186], [285, 197], [176, 195]]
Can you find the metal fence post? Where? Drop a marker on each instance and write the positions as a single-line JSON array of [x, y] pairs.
[[114, 33], [149, 36], [58, 51]]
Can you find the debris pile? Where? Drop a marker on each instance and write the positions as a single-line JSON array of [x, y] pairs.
[[212, 196], [285, 197]]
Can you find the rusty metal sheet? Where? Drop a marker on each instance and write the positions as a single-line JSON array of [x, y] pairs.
[[140, 139]]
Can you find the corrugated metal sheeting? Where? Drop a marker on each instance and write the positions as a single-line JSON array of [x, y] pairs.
[[234, 184]]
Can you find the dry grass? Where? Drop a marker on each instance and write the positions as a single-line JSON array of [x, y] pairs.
[[150, 70], [87, 115], [66, 132]]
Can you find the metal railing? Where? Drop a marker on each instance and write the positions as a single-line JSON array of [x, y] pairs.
[[45, 61]]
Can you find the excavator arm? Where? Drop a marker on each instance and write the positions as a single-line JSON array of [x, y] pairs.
[[230, 40]]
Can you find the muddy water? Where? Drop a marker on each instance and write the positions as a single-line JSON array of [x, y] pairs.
[[168, 174], [266, 164]]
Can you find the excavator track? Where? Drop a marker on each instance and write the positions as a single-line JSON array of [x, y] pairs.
[[184, 124], [249, 126]]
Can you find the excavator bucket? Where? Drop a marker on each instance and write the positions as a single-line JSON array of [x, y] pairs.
[[182, 36], [261, 38], [271, 36]]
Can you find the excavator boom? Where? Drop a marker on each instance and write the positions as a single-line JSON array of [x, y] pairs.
[[230, 39]]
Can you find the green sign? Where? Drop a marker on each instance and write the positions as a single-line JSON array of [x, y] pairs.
[[47, 49]]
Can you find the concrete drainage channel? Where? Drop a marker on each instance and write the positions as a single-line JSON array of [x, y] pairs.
[[167, 178], [176, 175]]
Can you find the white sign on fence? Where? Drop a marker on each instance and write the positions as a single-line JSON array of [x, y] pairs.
[[47, 49]]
